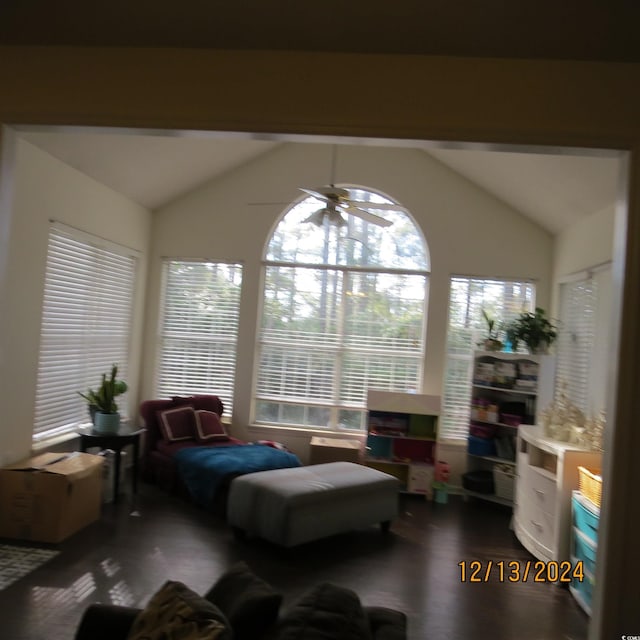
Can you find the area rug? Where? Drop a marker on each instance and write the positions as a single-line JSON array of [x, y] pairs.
[[17, 562]]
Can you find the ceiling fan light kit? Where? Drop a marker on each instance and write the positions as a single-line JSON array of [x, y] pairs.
[[326, 213]]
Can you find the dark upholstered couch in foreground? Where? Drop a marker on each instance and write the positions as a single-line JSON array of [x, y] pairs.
[[241, 606]]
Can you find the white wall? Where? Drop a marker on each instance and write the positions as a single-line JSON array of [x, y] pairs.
[[468, 232], [45, 189], [585, 244]]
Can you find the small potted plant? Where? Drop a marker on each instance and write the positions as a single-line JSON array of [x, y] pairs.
[[102, 404], [491, 342], [534, 329]]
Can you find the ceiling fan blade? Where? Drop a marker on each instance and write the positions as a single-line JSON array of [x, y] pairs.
[[314, 193], [328, 192], [365, 215], [268, 204], [379, 206]]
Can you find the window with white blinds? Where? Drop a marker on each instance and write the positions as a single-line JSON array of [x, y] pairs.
[[86, 326], [199, 329], [582, 356], [503, 300], [343, 312]]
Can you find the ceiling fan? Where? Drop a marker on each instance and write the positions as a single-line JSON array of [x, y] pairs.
[[338, 201]]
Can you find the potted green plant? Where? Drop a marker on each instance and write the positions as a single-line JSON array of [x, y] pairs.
[[534, 329], [102, 404], [491, 342]]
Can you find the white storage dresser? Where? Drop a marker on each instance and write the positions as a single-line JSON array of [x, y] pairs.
[[547, 474]]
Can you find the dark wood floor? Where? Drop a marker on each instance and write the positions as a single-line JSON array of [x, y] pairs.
[[135, 547]]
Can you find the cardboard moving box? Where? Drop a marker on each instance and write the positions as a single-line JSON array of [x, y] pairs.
[[324, 450], [50, 496]]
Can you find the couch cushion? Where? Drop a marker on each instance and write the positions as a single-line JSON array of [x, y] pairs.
[[327, 612], [250, 604], [177, 612], [209, 428], [387, 624], [178, 423]]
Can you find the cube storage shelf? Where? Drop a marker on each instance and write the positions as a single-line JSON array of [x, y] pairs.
[[507, 390], [402, 429]]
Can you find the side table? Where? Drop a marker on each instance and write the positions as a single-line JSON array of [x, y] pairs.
[[116, 441]]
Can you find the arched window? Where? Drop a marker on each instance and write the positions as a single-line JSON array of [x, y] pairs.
[[344, 310]]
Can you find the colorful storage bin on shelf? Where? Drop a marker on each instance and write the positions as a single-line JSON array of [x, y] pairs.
[[511, 419], [504, 481], [481, 446], [590, 484], [480, 481], [582, 591], [584, 544], [585, 517], [482, 430], [379, 447], [408, 450], [585, 549]]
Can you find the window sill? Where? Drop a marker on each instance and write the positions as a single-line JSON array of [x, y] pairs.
[[306, 433], [49, 443]]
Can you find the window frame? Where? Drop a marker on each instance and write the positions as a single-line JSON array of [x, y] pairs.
[[456, 412], [226, 392], [337, 404], [89, 364], [588, 390]]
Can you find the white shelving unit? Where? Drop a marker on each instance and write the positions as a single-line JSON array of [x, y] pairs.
[[547, 475], [402, 429], [508, 389]]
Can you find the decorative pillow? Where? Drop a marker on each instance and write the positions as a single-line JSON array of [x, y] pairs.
[[209, 428], [177, 612], [178, 423], [250, 604], [324, 613]]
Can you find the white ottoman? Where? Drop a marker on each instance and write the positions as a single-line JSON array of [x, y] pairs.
[[292, 506]]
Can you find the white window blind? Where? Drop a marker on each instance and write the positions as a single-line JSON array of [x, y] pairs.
[[502, 300], [86, 324], [343, 312], [199, 329], [582, 345]]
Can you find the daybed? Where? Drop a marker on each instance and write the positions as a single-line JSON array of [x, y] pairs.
[[242, 606], [187, 449]]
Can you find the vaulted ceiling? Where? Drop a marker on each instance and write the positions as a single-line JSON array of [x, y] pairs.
[[553, 189]]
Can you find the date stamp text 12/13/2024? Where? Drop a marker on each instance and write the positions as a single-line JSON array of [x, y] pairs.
[[520, 571]]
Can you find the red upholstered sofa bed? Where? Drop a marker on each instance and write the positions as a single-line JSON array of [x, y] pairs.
[[188, 451], [158, 465]]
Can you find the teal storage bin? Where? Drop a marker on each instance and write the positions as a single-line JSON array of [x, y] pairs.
[[583, 593], [584, 518], [379, 447], [481, 446], [584, 549]]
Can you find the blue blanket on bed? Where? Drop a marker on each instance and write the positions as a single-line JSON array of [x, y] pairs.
[[203, 469]]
